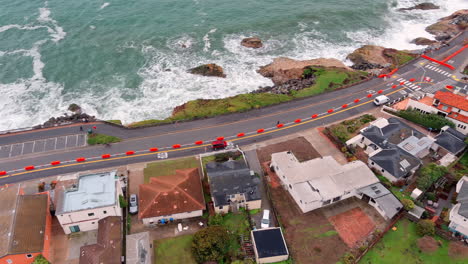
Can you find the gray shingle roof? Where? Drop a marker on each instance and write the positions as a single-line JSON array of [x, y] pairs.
[[451, 140], [384, 198], [231, 177], [462, 198], [392, 159], [393, 133]]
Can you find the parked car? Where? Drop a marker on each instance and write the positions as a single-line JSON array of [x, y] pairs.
[[219, 144], [381, 99], [133, 204], [266, 219]]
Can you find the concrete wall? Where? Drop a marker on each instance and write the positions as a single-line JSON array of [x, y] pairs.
[[459, 126], [154, 220], [223, 210], [85, 221], [272, 259], [421, 107]]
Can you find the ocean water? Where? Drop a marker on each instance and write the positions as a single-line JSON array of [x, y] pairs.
[[128, 60]]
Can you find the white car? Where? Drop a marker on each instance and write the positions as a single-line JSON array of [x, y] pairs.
[[266, 219], [133, 204], [381, 99]]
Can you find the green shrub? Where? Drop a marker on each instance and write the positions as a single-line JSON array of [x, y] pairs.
[[407, 204], [348, 258], [340, 132], [431, 196], [40, 260], [430, 174], [123, 202], [367, 118], [96, 138], [210, 244], [425, 228], [432, 121], [216, 219]]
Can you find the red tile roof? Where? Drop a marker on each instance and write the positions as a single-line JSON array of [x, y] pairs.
[[108, 248], [171, 194], [458, 117], [452, 99]]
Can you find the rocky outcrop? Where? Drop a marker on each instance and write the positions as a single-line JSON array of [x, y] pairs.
[[288, 86], [423, 41], [74, 108], [66, 119], [447, 27], [281, 70], [209, 70], [422, 6], [252, 43], [369, 57]]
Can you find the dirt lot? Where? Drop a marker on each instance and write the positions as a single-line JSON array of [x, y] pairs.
[[301, 148], [353, 226], [311, 238]]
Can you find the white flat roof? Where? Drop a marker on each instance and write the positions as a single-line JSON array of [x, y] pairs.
[[94, 191]]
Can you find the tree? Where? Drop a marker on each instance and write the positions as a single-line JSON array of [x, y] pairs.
[[214, 220], [407, 204], [425, 228], [429, 174], [210, 244], [40, 260]]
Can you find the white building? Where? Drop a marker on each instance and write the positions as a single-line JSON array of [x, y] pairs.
[[459, 213], [323, 181], [93, 198]]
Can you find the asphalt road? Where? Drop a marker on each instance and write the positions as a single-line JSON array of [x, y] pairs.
[[228, 126]]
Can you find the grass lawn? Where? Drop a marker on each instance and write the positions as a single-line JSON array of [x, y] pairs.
[[237, 224], [401, 247], [96, 138], [117, 122], [174, 250], [327, 79], [168, 167]]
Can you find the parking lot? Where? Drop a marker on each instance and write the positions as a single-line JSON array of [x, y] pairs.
[[42, 145]]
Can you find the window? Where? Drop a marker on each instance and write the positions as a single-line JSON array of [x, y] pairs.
[[29, 255], [300, 201], [336, 199], [382, 170], [290, 187], [90, 214], [372, 163], [104, 212], [220, 207], [326, 202], [93, 223], [74, 229]]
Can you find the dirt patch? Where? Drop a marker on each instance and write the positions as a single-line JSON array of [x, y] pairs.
[[458, 250], [427, 244], [301, 148], [353, 226], [310, 237]]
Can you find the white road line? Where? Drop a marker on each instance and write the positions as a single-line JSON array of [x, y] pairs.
[[11, 147], [22, 148], [55, 144]]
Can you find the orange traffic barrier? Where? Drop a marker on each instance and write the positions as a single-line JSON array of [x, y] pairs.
[[392, 72], [176, 146], [29, 167], [130, 152], [220, 138], [2, 173], [402, 83], [199, 142], [330, 110], [81, 159], [280, 125], [356, 100], [314, 116], [412, 79], [261, 130], [344, 106], [382, 75], [380, 91], [439, 62], [297, 120], [153, 149], [369, 95], [240, 134], [449, 87], [455, 53], [55, 162], [106, 156], [394, 86]]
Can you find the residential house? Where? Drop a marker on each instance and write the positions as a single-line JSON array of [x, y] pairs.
[[171, 197], [233, 185], [139, 248], [459, 213], [453, 107], [450, 141], [269, 245], [92, 198], [108, 249], [394, 148], [25, 226], [323, 181]]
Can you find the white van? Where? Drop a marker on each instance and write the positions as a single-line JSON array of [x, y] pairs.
[[265, 219], [381, 99]]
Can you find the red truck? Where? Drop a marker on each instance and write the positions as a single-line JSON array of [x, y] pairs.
[[218, 144]]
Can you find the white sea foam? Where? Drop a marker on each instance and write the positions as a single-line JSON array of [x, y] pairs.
[[206, 40], [57, 33], [104, 5]]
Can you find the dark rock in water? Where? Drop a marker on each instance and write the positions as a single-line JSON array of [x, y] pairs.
[[209, 70], [422, 6], [252, 43], [423, 41], [288, 86], [363, 66], [74, 108], [67, 119], [443, 37]]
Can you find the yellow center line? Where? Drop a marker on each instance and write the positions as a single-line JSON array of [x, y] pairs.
[[193, 147]]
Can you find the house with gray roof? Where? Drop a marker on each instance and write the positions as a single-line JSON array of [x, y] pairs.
[[381, 199], [459, 213], [233, 185], [451, 140], [394, 148]]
